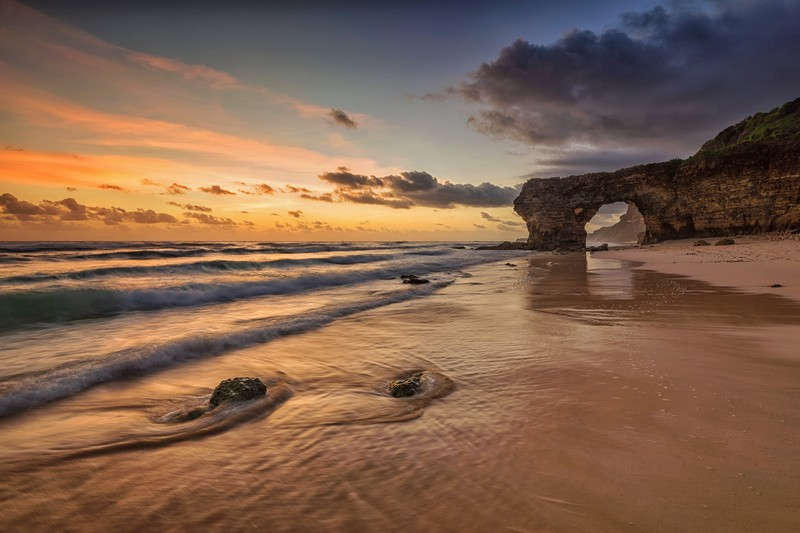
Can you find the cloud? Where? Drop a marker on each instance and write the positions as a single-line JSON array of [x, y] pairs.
[[210, 220], [151, 183], [111, 187], [192, 207], [263, 188], [341, 118], [69, 209], [72, 189], [510, 226], [296, 214], [479, 226], [409, 189], [177, 188], [674, 76], [490, 218], [216, 189], [326, 197], [296, 190]]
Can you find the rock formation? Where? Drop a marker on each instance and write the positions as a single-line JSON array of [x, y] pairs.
[[400, 388], [237, 390], [744, 181], [630, 225]]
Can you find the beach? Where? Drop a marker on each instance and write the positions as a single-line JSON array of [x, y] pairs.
[[754, 263], [591, 392]]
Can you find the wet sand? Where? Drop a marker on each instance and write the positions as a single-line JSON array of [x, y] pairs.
[[754, 263], [589, 396]]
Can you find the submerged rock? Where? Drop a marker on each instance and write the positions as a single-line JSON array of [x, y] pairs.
[[238, 390], [413, 279], [510, 265], [727, 241], [401, 388], [601, 248], [776, 285], [701, 242]]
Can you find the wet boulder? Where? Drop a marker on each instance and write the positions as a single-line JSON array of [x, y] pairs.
[[412, 279], [238, 390], [727, 241], [401, 388], [701, 242]]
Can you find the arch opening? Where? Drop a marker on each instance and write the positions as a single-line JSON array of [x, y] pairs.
[[615, 223]]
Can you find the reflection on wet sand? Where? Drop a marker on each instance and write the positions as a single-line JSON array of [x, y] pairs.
[[605, 291]]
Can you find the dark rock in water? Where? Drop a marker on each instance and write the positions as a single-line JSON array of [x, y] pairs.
[[601, 248], [776, 285], [459, 247], [702, 243], [238, 390], [510, 265], [401, 388], [409, 276], [727, 241], [506, 246], [416, 281]]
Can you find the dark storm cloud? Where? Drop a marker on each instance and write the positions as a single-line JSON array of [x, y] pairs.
[[69, 209], [341, 118], [666, 75], [216, 189], [409, 189]]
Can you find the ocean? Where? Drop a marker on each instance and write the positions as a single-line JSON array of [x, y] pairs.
[[562, 393]]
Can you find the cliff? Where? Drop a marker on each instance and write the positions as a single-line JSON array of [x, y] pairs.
[[630, 225], [743, 181]]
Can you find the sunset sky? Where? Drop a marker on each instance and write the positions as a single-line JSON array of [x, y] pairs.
[[360, 120]]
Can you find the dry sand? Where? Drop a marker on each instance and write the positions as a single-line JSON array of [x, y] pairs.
[[752, 264]]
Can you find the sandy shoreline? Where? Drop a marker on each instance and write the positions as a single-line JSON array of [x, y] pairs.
[[753, 264], [589, 397]]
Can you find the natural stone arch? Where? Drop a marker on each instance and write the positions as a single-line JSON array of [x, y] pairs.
[[752, 187]]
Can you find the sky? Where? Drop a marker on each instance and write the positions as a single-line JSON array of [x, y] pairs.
[[359, 120]]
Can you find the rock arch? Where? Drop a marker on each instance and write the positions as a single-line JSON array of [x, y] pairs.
[[749, 188]]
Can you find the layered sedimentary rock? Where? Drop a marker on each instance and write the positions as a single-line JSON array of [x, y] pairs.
[[746, 188], [630, 225]]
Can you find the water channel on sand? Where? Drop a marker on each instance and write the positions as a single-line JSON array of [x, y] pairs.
[[589, 397]]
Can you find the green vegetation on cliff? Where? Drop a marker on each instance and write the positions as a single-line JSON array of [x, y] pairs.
[[778, 124]]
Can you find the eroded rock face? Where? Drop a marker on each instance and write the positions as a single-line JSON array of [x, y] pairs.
[[748, 188], [238, 390]]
